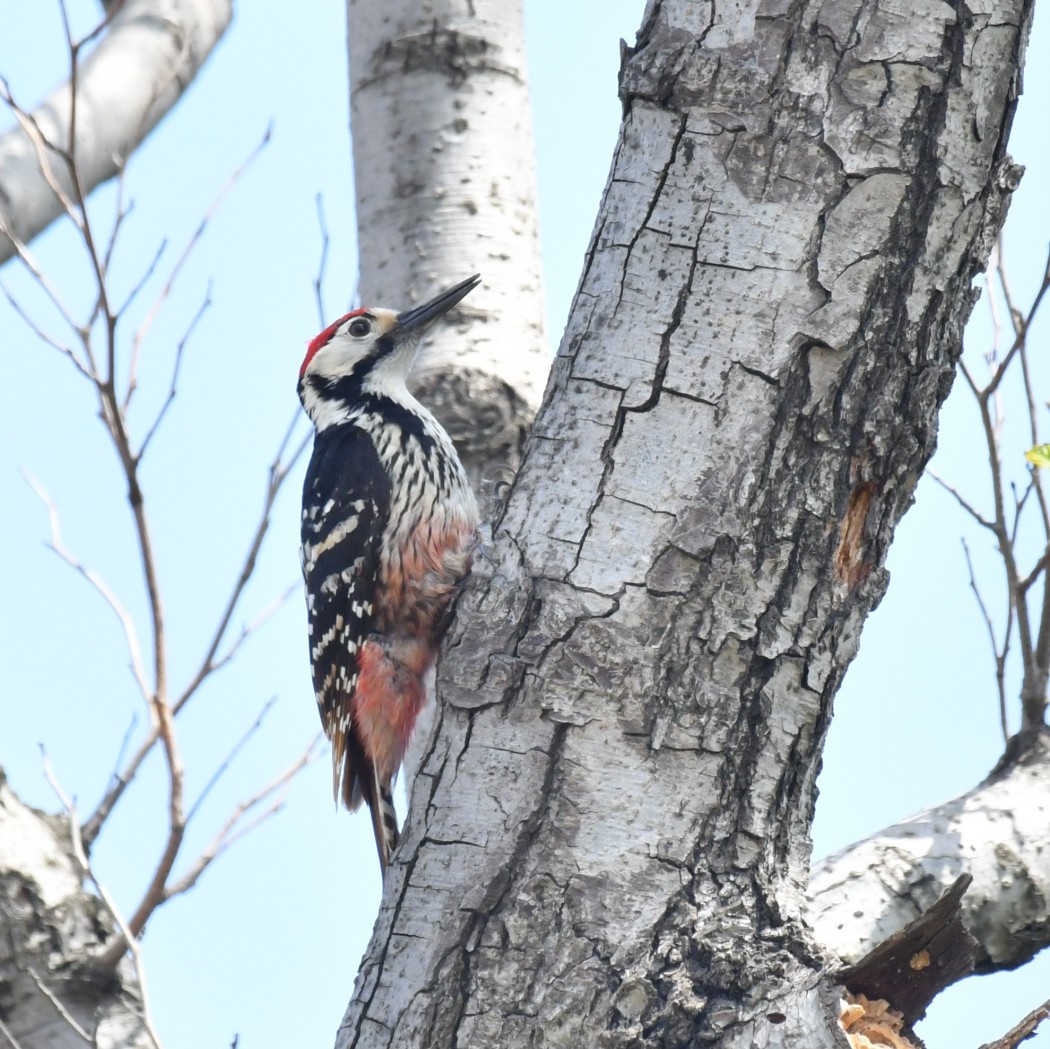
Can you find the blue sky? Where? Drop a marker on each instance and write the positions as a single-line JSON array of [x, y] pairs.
[[269, 942]]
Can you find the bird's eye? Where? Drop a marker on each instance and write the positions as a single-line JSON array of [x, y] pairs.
[[359, 328]]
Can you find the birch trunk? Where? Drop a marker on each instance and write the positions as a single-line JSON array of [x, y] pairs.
[[149, 55], [609, 837], [446, 186], [51, 927]]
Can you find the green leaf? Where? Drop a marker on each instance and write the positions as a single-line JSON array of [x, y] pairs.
[[1039, 455]]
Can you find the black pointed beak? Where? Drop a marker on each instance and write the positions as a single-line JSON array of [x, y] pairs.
[[420, 317]]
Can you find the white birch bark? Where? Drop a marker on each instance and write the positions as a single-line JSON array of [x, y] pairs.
[[50, 927], [999, 832], [609, 840], [446, 186], [149, 55]]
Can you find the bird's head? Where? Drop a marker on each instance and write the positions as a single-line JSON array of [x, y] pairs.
[[368, 350]]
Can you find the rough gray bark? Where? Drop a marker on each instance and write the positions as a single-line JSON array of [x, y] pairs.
[[149, 55], [998, 832], [445, 180], [609, 840], [49, 929]]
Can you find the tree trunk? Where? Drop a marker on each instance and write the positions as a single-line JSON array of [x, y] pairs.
[[150, 54], [446, 185], [609, 841]]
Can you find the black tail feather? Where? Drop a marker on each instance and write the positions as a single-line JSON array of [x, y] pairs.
[[361, 783], [384, 824]]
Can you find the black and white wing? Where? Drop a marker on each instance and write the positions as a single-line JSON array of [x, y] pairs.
[[346, 501]]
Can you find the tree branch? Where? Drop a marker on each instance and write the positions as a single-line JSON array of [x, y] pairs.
[[119, 99], [132, 943], [97, 582], [997, 832], [1025, 1029]]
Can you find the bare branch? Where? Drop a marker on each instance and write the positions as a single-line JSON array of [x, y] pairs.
[[1036, 572], [43, 336], [250, 628], [1025, 1029], [194, 240], [992, 356], [60, 1008], [179, 349], [11, 1040], [278, 471], [958, 497], [120, 214], [999, 657], [1033, 437], [234, 829], [130, 942], [141, 282], [169, 47], [1022, 332], [1033, 631], [228, 760], [319, 280], [102, 588], [999, 254], [43, 149], [27, 259]]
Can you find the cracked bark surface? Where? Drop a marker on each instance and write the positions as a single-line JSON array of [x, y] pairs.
[[149, 55], [445, 181], [609, 838]]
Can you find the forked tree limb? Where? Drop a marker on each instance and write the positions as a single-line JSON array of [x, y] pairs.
[[148, 54]]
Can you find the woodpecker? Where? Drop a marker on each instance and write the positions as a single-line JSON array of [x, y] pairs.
[[389, 527]]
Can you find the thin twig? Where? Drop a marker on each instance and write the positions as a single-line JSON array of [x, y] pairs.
[[319, 280], [229, 759], [1000, 372], [130, 941], [278, 472], [120, 213], [11, 1039], [42, 335], [958, 497], [179, 350], [154, 309], [1036, 572], [233, 829], [993, 308], [29, 261], [1025, 1029], [81, 217], [101, 587], [1016, 317], [141, 282], [43, 148], [1033, 437], [999, 657], [267, 613], [112, 9], [60, 1008]]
